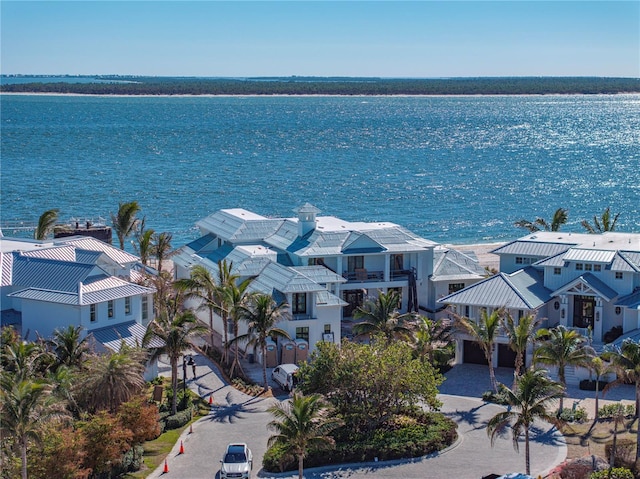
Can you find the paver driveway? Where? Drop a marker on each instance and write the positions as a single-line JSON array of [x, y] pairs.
[[237, 417]]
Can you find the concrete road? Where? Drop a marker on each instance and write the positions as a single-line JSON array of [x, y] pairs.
[[236, 417]]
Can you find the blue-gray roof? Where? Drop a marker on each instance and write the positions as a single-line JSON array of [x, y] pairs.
[[631, 300], [452, 265], [320, 274], [592, 282], [50, 274], [131, 333], [533, 248], [520, 290]]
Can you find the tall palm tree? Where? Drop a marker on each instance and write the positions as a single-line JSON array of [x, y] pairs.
[[301, 424], [236, 299], [46, 223], [262, 314], [113, 378], [562, 347], [162, 248], [25, 405], [527, 401], [226, 280], [602, 224], [520, 335], [626, 362], [599, 368], [176, 331], [125, 221], [382, 316], [69, 349], [143, 245], [560, 217], [202, 286], [484, 332]]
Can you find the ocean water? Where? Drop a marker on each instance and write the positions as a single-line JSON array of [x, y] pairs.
[[452, 169]]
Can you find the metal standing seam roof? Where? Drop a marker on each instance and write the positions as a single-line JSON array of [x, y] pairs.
[[631, 300], [97, 292], [287, 280], [520, 290], [88, 243], [555, 261], [325, 298], [592, 282], [319, 244], [633, 257], [57, 252], [131, 333], [589, 255], [453, 265], [320, 274], [50, 274], [204, 244], [532, 248], [6, 268], [625, 262], [284, 236]]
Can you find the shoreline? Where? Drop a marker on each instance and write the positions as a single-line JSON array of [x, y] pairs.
[[314, 95]]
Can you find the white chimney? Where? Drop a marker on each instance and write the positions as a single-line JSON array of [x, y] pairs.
[[80, 293]]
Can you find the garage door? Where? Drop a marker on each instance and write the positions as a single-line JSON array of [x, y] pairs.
[[473, 353], [506, 356]]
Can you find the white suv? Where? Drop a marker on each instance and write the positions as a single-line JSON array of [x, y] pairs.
[[237, 462]]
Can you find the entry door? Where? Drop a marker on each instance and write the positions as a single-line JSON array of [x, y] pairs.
[[583, 311], [355, 298]]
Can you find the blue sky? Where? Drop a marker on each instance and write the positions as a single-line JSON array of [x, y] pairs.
[[324, 38]]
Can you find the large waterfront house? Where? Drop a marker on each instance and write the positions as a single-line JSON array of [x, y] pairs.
[[73, 281], [587, 282], [324, 267]]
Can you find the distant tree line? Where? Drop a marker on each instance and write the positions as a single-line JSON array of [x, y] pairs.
[[123, 85]]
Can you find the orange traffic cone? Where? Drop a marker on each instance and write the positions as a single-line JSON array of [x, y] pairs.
[[210, 400], [181, 448], [166, 467]]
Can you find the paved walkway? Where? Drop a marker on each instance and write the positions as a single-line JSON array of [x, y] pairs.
[[236, 417]]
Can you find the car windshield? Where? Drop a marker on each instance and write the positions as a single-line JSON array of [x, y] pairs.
[[235, 458]]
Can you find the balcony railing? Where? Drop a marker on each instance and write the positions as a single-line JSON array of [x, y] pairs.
[[363, 275]]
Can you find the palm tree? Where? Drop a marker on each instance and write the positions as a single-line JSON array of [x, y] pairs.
[[527, 402], [69, 349], [201, 286], [46, 223], [162, 248], [176, 330], [236, 298], [560, 217], [520, 335], [626, 362], [484, 333], [144, 245], [302, 424], [113, 378], [382, 316], [125, 222], [562, 347], [225, 281], [602, 224], [432, 338], [25, 405], [599, 368], [262, 314]]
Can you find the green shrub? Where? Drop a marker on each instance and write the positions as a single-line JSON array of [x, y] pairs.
[[177, 420], [578, 414], [420, 434], [609, 411], [625, 452], [499, 397], [616, 473]]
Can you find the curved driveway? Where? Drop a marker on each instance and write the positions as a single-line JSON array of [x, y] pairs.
[[236, 417]]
